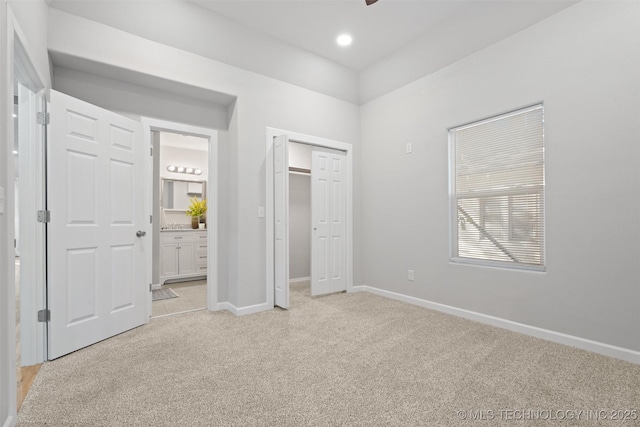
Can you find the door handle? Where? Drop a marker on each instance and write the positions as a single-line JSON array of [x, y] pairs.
[[141, 233]]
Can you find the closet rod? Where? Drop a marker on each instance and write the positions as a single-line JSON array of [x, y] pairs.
[[299, 170]]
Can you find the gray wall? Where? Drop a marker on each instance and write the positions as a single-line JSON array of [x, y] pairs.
[[184, 25], [299, 226], [138, 100], [7, 316], [584, 64], [261, 102]]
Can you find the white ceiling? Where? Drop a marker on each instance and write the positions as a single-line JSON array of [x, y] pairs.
[[378, 30], [395, 41], [314, 25]]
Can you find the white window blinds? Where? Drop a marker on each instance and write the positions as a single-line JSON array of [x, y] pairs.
[[497, 190]]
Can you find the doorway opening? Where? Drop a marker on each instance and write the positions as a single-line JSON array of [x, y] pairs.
[[183, 176], [180, 266], [323, 169], [299, 221]]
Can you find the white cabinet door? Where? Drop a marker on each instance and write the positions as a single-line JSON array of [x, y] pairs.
[[281, 218], [186, 259], [328, 215], [169, 259], [96, 263]]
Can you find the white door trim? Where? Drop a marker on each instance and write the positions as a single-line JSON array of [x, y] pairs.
[[319, 142], [33, 345], [150, 124]]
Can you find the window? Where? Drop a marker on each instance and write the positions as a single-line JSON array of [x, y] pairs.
[[497, 190]]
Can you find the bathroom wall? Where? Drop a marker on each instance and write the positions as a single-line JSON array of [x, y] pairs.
[[171, 154]]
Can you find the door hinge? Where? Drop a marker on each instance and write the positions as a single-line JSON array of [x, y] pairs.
[[149, 287], [44, 216], [150, 219], [43, 118], [44, 316], [151, 151]]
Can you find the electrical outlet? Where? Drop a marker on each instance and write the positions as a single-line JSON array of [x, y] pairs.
[[409, 148], [410, 275]]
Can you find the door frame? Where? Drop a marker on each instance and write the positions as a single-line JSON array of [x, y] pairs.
[[270, 240], [18, 57], [150, 124]]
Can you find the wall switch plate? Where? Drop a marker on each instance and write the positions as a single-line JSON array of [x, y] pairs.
[[260, 211], [410, 275], [409, 148]]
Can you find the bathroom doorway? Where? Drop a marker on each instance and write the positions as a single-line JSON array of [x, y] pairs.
[[183, 261]]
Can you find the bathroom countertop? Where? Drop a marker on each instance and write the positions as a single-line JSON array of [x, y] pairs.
[[183, 229]]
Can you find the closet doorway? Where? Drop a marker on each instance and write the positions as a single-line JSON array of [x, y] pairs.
[[309, 215]]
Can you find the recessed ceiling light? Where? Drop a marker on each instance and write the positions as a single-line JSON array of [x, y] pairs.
[[344, 40]]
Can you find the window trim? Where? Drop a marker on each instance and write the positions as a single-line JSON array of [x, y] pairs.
[[453, 206]]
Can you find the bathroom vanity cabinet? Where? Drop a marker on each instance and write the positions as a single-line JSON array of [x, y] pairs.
[[183, 254]]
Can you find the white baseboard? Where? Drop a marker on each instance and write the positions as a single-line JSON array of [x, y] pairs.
[[558, 337], [358, 288], [9, 422], [243, 311], [300, 279], [222, 306]]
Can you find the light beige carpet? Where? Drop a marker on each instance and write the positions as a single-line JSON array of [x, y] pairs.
[[345, 359]]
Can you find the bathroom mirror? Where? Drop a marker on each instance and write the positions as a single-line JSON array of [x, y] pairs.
[[176, 194]]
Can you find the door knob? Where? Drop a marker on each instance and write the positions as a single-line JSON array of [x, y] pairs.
[[141, 233]]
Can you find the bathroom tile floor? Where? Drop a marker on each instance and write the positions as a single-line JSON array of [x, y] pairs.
[[191, 296]]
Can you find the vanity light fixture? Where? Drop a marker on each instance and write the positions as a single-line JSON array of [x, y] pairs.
[[184, 169]]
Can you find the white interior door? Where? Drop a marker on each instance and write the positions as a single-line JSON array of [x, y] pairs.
[[328, 220], [96, 269], [281, 219]]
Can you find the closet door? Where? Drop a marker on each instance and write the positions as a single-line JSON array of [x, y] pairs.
[[328, 219], [281, 219]]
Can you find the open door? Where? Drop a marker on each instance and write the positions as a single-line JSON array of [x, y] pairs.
[[281, 219], [328, 220], [96, 235]]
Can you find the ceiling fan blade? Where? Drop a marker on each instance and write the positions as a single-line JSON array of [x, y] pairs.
[[370, 2]]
